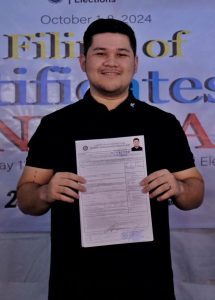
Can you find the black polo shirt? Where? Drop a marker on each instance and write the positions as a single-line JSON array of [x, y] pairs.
[[139, 270]]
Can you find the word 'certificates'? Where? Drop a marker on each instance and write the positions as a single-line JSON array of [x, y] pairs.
[[113, 210]]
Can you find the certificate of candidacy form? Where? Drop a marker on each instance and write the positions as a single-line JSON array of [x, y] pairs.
[[113, 210]]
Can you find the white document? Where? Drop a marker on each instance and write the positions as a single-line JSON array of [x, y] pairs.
[[113, 210]]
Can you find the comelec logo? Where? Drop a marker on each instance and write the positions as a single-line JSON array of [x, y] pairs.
[[55, 1]]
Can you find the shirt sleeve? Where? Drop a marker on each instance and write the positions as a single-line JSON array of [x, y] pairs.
[[42, 146], [178, 152]]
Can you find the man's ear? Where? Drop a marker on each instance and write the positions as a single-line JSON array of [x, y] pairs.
[[82, 61]]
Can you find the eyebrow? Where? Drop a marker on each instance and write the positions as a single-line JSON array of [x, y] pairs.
[[118, 49]]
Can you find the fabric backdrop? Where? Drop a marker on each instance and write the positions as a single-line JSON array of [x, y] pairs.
[[40, 42]]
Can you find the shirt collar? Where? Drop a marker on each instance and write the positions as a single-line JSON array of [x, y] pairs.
[[128, 103]]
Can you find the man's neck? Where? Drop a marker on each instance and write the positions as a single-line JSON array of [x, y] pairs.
[[110, 102]]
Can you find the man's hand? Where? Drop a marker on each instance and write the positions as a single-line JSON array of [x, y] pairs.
[[185, 187], [38, 188], [161, 184], [63, 186]]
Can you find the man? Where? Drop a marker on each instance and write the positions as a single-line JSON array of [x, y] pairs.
[[136, 143], [50, 179]]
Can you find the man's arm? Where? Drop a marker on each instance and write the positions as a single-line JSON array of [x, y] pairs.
[[186, 187], [38, 188]]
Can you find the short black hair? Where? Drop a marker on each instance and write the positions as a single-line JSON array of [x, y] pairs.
[[109, 25]]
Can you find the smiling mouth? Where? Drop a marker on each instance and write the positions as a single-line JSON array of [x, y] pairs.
[[110, 73]]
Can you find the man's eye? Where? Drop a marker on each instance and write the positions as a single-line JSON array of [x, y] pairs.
[[122, 54]]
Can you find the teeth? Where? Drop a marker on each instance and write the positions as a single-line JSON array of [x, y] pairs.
[[110, 73]]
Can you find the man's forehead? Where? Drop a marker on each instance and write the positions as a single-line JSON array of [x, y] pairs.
[[109, 37], [106, 41]]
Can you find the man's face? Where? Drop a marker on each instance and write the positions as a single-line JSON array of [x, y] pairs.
[[110, 65], [136, 143]]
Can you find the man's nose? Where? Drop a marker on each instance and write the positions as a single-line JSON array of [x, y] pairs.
[[111, 60]]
